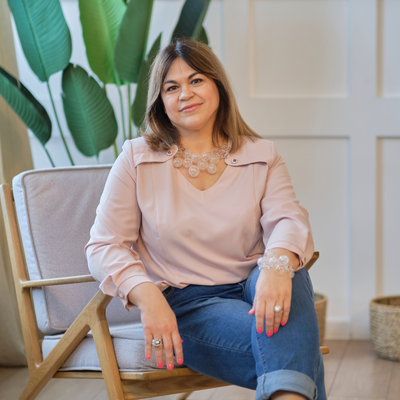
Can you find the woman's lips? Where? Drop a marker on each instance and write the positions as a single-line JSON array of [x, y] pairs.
[[191, 108]]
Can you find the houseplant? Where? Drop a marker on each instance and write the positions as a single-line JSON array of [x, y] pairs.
[[115, 36]]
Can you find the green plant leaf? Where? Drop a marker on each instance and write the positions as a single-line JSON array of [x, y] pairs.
[[21, 100], [190, 23], [140, 101], [130, 47], [203, 36], [90, 116], [44, 35], [100, 21]]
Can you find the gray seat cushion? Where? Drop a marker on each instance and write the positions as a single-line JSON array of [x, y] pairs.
[[129, 348], [56, 209]]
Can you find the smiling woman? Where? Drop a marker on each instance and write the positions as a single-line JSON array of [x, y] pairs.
[[200, 228], [183, 74]]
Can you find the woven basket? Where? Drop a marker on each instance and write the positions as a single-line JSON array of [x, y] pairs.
[[385, 326], [320, 307]]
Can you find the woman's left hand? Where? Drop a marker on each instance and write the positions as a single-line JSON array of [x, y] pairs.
[[271, 290]]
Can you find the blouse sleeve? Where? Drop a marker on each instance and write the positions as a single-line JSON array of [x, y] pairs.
[[111, 258], [285, 222]]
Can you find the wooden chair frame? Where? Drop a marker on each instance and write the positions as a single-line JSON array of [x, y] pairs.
[[119, 385]]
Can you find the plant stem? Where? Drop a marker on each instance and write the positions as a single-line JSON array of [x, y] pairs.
[[59, 126], [115, 150], [48, 155], [129, 111], [122, 112]]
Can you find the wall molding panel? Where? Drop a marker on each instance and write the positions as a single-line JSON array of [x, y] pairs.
[[388, 216], [388, 50], [298, 49], [312, 162]]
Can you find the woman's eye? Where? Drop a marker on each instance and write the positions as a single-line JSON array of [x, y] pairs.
[[171, 88], [197, 80]]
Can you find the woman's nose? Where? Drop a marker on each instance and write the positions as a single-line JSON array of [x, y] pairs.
[[186, 93]]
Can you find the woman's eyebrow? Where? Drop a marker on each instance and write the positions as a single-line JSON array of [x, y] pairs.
[[189, 77]]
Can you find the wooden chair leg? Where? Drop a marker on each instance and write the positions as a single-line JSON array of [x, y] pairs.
[[108, 362], [30, 391], [39, 376]]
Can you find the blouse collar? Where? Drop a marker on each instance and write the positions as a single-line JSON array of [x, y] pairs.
[[250, 152]]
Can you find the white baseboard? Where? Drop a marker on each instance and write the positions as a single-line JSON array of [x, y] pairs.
[[337, 329], [341, 329]]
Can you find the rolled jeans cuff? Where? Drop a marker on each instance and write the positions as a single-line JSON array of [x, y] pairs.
[[292, 381]]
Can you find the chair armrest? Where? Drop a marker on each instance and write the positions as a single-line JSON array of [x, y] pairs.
[[58, 281], [89, 278], [311, 262]]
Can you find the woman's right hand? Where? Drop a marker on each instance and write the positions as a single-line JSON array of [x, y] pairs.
[[159, 322]]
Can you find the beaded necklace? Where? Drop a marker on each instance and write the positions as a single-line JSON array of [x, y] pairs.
[[196, 162]]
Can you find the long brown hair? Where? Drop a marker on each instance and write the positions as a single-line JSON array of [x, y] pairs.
[[157, 128]]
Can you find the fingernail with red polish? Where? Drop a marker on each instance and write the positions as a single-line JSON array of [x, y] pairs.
[[170, 367], [283, 323], [269, 334], [160, 365], [148, 356], [250, 311], [180, 361], [275, 330], [259, 330], [182, 340]]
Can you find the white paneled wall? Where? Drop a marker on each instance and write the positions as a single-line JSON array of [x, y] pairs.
[[388, 56], [319, 169], [388, 216], [322, 79], [299, 48]]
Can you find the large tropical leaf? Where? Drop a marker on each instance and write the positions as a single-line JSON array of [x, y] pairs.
[[190, 23], [88, 111], [21, 100], [140, 102], [100, 21], [44, 35], [203, 36], [130, 48]]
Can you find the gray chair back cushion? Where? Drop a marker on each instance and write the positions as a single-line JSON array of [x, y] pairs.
[[56, 209]]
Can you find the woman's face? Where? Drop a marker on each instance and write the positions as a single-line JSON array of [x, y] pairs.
[[190, 99]]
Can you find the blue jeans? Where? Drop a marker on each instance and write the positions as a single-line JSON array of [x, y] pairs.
[[220, 338]]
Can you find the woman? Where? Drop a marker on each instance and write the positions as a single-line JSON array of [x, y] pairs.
[[187, 211]]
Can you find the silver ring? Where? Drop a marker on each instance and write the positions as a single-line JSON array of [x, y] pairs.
[[156, 342], [277, 309]]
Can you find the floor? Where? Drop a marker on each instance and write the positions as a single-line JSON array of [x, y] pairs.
[[352, 372]]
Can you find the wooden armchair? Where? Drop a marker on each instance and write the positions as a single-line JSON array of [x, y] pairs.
[[55, 210]]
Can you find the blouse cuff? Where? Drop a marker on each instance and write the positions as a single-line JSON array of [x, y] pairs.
[[128, 285], [291, 247]]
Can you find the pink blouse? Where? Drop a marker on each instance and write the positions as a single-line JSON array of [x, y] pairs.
[[153, 225]]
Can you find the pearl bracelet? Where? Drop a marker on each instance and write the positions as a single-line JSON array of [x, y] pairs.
[[281, 264]]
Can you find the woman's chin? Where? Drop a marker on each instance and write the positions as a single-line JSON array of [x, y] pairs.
[[194, 127]]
